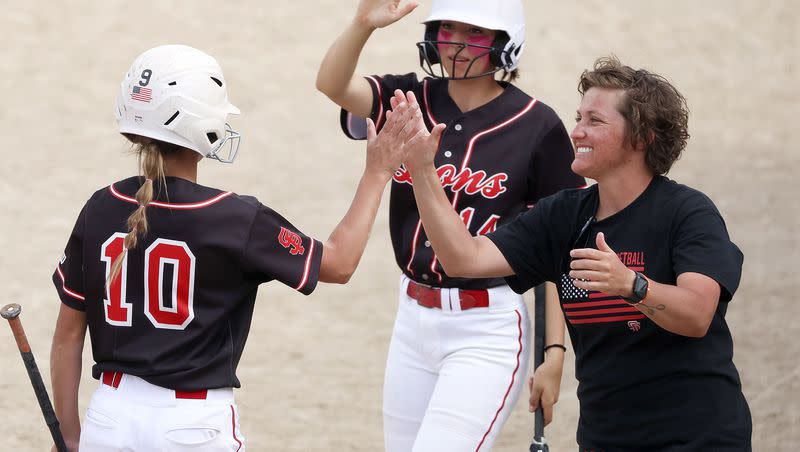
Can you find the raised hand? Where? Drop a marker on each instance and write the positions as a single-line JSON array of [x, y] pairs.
[[420, 145], [386, 150], [380, 13]]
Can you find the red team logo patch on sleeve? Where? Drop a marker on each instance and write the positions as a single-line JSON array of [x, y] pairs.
[[288, 239]]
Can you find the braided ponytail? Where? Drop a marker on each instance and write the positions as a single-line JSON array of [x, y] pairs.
[[151, 161]]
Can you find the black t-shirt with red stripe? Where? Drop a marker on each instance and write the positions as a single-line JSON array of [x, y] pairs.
[[495, 161], [179, 313], [640, 386]]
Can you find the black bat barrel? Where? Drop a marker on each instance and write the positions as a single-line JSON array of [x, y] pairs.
[[44, 400]]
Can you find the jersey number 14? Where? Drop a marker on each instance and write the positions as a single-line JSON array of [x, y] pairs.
[[173, 314]]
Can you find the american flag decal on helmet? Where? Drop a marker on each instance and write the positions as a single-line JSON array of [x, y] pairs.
[[142, 94]]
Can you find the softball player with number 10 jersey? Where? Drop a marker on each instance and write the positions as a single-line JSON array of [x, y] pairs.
[[460, 346], [165, 271]]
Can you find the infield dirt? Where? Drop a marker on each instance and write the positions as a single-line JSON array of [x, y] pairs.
[[313, 367]]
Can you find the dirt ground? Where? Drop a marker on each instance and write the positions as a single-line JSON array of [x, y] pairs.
[[312, 371]]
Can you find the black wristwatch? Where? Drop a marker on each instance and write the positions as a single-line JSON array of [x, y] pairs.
[[640, 288]]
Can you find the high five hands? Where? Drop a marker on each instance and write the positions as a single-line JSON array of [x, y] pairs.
[[416, 143], [380, 13], [402, 137]]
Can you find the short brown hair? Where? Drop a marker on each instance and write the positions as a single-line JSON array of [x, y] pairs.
[[655, 112], [509, 76]]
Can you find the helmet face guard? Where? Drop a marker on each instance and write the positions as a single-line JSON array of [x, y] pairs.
[[232, 138], [505, 17], [429, 56]]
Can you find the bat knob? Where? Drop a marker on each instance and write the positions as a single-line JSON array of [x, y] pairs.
[[11, 311]]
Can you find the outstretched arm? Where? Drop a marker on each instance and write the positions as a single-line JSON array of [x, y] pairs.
[[460, 254], [336, 78], [345, 246], [65, 371]]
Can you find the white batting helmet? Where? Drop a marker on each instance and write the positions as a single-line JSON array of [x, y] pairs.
[[177, 94], [506, 16]]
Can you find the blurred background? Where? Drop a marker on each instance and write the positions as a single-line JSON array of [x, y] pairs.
[[313, 367]]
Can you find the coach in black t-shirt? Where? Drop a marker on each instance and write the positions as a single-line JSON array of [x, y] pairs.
[[644, 267]]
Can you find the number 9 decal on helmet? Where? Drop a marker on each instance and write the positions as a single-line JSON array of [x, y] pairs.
[[177, 94], [505, 17]]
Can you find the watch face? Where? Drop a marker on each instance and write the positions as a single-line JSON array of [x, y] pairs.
[[640, 286]]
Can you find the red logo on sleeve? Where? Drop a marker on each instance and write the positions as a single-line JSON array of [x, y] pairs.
[[288, 239]]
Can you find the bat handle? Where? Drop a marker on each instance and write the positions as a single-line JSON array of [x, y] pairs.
[[11, 313], [19, 335]]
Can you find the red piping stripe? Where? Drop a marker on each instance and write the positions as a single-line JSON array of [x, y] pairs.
[[167, 205], [427, 104], [414, 247], [233, 428], [307, 266], [419, 223], [487, 131], [72, 294], [513, 376], [607, 319], [380, 101]]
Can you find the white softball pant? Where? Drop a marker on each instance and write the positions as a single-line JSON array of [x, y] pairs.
[[453, 377], [139, 416]]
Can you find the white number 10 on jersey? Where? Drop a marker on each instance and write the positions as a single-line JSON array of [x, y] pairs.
[[176, 314]]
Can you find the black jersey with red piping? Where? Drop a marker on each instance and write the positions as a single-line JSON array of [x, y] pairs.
[[179, 312], [495, 162]]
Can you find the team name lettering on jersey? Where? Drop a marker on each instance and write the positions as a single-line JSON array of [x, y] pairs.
[[470, 182], [288, 239]]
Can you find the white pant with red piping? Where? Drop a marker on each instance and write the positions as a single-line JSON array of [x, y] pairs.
[[452, 375], [127, 413]]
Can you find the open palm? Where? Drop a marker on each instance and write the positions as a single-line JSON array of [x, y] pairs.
[[420, 145], [380, 13]]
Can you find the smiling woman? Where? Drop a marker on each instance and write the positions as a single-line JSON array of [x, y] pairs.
[[654, 113], [644, 268], [600, 135]]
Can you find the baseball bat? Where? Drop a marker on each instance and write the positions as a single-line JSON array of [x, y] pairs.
[[538, 444], [11, 313]]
